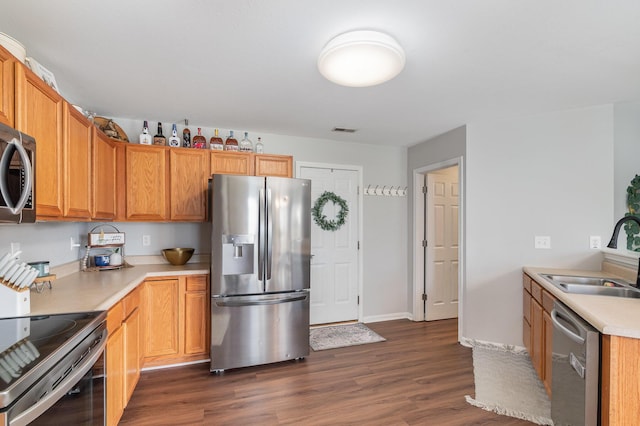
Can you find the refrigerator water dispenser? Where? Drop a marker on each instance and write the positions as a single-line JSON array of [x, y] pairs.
[[237, 254]]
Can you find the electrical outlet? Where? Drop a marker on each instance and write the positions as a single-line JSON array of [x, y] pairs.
[[595, 242], [15, 250], [542, 242], [146, 240]]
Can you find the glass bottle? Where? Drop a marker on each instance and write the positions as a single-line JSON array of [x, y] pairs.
[[259, 146], [231, 144], [174, 140], [159, 138], [145, 137], [216, 142], [245, 144], [199, 141], [186, 135]]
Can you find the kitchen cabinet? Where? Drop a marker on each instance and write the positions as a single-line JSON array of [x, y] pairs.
[[273, 165], [146, 183], [78, 167], [7, 90], [233, 163], [537, 328], [188, 174], [39, 113], [104, 173], [123, 360], [177, 319]]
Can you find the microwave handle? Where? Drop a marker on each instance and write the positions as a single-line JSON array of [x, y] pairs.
[[28, 172]]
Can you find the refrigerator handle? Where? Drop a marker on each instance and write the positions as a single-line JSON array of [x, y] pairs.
[[261, 234], [269, 235]]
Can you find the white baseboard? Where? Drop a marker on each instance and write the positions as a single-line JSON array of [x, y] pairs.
[[387, 317]]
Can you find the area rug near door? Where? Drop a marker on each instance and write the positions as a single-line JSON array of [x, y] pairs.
[[338, 336], [507, 384]]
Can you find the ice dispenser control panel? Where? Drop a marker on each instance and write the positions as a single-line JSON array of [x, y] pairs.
[[237, 254]]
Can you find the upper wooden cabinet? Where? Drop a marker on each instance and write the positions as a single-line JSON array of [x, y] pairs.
[[189, 172], [39, 113], [77, 159], [273, 165], [232, 163], [104, 177], [7, 90], [146, 183]]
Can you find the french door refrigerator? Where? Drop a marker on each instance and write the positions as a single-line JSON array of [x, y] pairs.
[[260, 260]]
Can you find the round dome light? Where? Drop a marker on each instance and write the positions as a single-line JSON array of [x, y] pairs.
[[361, 59]]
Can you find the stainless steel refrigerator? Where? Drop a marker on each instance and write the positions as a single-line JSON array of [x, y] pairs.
[[260, 256]]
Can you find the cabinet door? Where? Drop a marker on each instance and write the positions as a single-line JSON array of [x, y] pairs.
[[273, 165], [146, 183], [234, 163], [104, 175], [7, 65], [39, 114], [162, 325], [547, 331], [526, 320], [131, 353], [189, 171], [115, 376], [197, 315], [537, 337], [77, 164]]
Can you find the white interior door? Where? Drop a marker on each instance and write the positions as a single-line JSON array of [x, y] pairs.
[[442, 245], [334, 262]]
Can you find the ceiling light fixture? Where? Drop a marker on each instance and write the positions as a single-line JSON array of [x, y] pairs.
[[361, 59]]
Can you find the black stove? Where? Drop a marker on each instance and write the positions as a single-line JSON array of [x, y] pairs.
[[35, 347]]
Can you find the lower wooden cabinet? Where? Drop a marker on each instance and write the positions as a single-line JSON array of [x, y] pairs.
[[537, 329], [177, 320]]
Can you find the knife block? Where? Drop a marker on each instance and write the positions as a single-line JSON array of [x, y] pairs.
[[14, 303]]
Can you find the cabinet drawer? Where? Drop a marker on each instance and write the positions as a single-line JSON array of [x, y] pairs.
[[536, 291], [197, 283], [547, 301], [526, 282], [131, 302], [115, 317]]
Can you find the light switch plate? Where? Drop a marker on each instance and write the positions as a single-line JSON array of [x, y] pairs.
[[595, 242], [542, 242]]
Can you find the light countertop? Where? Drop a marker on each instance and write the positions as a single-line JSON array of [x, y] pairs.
[[98, 291], [617, 316]]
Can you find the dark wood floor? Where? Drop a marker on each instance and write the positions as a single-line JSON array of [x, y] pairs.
[[419, 376]]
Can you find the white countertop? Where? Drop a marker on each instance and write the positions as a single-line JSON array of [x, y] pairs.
[[98, 291], [617, 316]]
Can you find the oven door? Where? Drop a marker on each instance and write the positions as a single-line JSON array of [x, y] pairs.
[[17, 177], [68, 394]]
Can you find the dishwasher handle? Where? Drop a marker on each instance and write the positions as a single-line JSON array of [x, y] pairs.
[[555, 314]]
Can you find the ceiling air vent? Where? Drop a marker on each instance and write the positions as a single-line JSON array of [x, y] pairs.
[[343, 130]]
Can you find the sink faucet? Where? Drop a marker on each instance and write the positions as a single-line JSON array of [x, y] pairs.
[[614, 239]]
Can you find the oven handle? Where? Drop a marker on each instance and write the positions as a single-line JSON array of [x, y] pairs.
[[48, 401], [5, 163]]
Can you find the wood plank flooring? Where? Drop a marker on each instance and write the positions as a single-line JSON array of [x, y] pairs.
[[419, 376]]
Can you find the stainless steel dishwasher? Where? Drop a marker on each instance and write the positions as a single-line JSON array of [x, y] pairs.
[[575, 370]]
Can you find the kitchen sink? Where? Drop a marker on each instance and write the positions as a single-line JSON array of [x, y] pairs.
[[592, 285]]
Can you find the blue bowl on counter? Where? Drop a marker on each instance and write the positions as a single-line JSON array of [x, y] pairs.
[[101, 260]]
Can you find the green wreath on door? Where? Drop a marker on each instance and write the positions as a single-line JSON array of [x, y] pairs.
[[633, 204], [321, 219]]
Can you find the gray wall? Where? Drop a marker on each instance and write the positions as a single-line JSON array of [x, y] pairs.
[[627, 152], [383, 246], [549, 174]]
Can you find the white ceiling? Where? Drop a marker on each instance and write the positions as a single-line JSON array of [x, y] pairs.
[[251, 64]]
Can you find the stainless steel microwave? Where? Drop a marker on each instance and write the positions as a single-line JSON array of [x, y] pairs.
[[17, 176]]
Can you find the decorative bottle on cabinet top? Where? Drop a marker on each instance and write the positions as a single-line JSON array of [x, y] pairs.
[[174, 140], [186, 135], [216, 142], [145, 137], [259, 146], [245, 144], [159, 138], [199, 141], [231, 144]]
